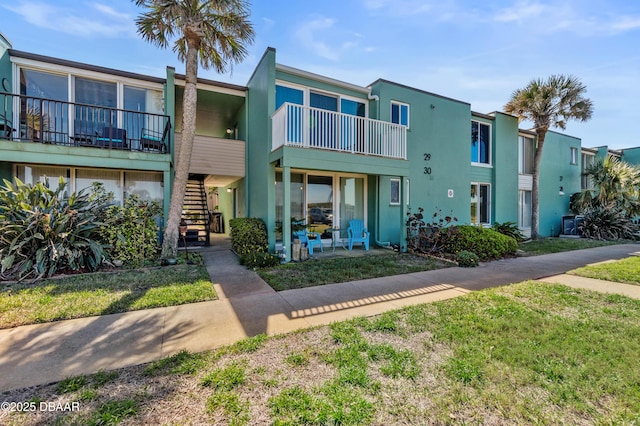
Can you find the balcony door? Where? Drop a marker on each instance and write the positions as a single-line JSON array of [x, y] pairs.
[[323, 121], [352, 127], [43, 109], [96, 103]]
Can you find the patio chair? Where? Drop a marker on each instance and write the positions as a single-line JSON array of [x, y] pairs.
[[6, 128], [112, 137], [152, 140], [311, 241], [357, 233]]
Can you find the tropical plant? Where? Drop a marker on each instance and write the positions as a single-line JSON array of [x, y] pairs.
[[509, 229], [616, 185], [601, 223], [548, 103], [215, 34], [44, 231]]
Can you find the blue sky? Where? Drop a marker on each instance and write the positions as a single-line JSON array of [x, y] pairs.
[[475, 51]]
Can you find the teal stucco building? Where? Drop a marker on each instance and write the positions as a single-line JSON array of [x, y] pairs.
[[289, 146]]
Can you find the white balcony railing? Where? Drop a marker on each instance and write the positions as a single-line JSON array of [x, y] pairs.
[[306, 127]]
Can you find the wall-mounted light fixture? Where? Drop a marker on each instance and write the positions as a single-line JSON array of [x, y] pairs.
[[229, 189], [229, 131]]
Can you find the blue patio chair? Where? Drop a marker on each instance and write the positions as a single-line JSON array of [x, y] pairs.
[[357, 233], [304, 237], [155, 141], [112, 137]]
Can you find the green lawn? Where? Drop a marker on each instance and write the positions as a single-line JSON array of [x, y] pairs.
[[325, 271], [557, 245], [621, 271], [103, 293], [528, 353]]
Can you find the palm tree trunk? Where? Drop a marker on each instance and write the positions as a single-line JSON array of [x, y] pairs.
[[535, 187], [183, 157]]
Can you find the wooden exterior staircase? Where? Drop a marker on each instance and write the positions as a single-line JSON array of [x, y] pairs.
[[195, 213]]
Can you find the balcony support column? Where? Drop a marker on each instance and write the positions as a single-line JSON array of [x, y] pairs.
[[403, 213], [286, 210]]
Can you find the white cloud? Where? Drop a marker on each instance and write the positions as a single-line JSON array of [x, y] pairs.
[[323, 38], [523, 11], [307, 35], [625, 23], [563, 16], [106, 22], [400, 7]]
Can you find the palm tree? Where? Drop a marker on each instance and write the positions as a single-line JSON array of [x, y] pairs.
[[548, 104], [214, 33], [616, 186]]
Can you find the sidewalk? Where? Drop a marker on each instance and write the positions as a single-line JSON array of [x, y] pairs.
[[43, 353]]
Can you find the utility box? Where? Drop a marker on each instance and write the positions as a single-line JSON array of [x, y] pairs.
[[571, 224]]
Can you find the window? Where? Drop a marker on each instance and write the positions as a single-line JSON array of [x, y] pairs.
[[395, 192], [524, 209], [526, 154], [400, 113], [480, 143], [574, 155], [111, 181], [288, 94], [146, 185], [49, 92], [586, 181], [480, 203]]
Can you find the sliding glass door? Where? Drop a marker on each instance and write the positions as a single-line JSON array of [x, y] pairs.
[[351, 200]]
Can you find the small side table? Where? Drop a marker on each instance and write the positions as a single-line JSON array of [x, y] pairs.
[[335, 233]]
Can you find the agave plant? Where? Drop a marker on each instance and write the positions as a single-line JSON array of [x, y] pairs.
[[44, 231]]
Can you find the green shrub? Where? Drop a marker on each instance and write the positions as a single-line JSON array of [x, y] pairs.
[[44, 231], [248, 235], [602, 223], [467, 259], [259, 259], [486, 243], [509, 229], [131, 231]]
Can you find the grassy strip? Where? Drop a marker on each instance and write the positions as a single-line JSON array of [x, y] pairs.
[[103, 293], [326, 271], [557, 245], [621, 271], [528, 353]]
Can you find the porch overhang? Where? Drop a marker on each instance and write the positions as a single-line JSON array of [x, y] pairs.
[[300, 158]]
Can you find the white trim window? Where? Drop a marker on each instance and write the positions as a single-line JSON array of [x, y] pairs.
[[525, 155], [480, 143], [394, 198], [480, 203], [400, 113], [524, 209], [574, 156], [585, 181]]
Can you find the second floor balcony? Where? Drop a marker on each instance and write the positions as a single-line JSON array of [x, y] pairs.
[[41, 120], [306, 127]]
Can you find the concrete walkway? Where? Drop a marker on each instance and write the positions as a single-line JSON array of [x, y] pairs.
[[44, 353]]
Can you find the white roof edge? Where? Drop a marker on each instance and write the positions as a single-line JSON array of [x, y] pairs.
[[322, 78]]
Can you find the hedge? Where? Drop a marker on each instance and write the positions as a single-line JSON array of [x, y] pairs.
[[486, 243]]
